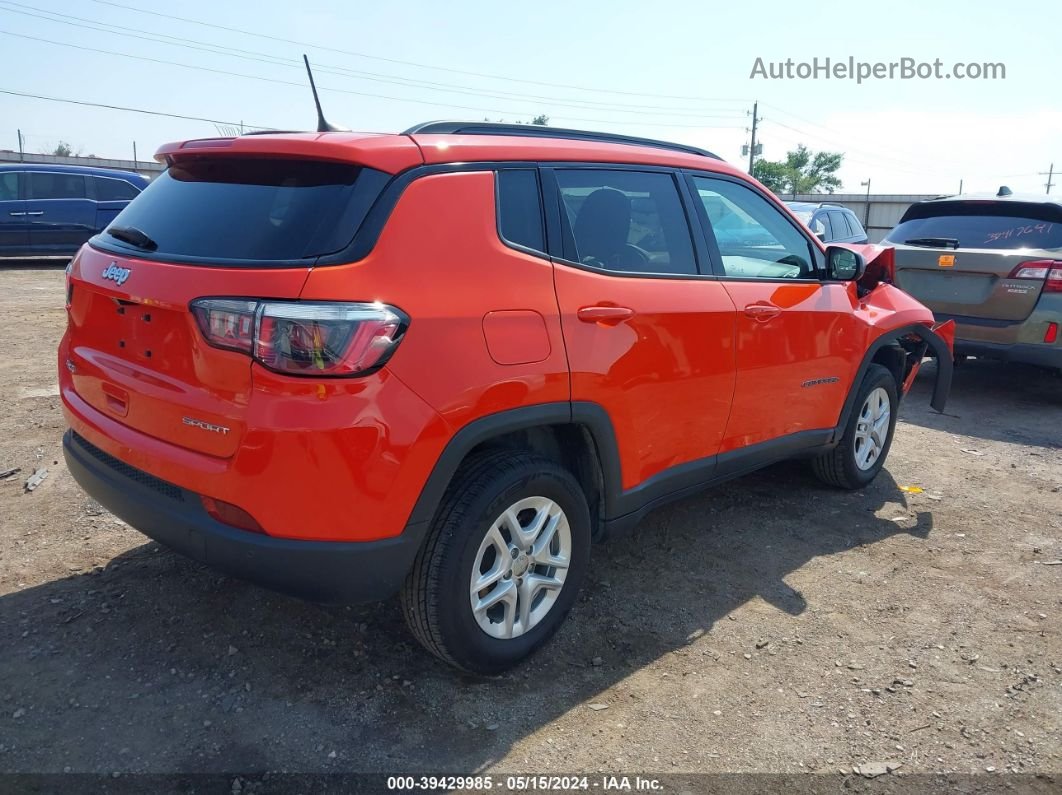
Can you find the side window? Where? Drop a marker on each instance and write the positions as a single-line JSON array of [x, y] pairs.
[[520, 208], [840, 224], [626, 221], [55, 185], [818, 226], [832, 232], [112, 190], [8, 186], [857, 227], [755, 239]]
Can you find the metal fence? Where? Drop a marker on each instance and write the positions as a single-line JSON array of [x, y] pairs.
[[880, 215], [149, 168]]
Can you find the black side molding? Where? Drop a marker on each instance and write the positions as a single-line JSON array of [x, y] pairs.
[[945, 366]]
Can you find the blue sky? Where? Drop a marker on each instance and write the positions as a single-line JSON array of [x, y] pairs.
[[669, 70]]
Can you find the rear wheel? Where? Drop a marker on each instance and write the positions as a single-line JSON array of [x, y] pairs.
[[502, 563], [861, 453]]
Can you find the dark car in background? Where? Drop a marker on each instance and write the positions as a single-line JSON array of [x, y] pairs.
[[831, 223], [992, 263], [48, 211]]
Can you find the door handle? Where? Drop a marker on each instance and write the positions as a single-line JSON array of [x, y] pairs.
[[763, 311], [606, 315], [39, 212], [16, 214]]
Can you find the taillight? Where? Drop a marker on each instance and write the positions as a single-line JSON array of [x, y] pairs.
[[1047, 270], [302, 337], [226, 323], [69, 284]]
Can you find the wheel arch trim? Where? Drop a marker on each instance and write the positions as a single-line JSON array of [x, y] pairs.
[[937, 347], [590, 415]]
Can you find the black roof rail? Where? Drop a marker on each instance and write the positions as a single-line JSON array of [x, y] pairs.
[[541, 131]]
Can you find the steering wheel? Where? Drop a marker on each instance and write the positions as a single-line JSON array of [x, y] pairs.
[[640, 255]]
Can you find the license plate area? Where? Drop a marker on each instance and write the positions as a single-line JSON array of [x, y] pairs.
[[138, 335]]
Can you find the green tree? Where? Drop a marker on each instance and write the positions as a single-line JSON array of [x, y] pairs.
[[541, 119], [63, 149], [802, 171]]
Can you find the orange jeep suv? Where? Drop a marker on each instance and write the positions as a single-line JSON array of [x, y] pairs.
[[443, 362]]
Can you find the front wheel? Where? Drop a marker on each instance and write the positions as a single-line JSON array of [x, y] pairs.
[[861, 453], [502, 563]]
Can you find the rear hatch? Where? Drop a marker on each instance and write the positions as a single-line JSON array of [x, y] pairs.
[[964, 257], [209, 226]]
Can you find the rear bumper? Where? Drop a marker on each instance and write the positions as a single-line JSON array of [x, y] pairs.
[[1041, 354], [323, 571]]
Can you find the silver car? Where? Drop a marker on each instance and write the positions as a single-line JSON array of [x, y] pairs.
[[993, 264]]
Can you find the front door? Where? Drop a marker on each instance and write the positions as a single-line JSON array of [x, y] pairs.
[[797, 340], [649, 336]]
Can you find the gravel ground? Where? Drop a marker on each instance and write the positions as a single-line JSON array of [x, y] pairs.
[[771, 625]]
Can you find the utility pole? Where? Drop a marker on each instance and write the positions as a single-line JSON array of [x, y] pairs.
[[866, 209], [136, 161], [752, 148], [21, 156], [1049, 174], [960, 186]]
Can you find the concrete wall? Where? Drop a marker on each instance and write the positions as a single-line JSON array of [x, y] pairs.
[[149, 168], [885, 208]]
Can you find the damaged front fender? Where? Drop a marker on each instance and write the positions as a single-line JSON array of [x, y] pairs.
[[935, 340]]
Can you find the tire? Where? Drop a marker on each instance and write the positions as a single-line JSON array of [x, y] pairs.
[[846, 466], [437, 596]]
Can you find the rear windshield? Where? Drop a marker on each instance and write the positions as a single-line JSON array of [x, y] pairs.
[[265, 210], [990, 226]]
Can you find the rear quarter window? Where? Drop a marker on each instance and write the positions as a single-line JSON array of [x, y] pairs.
[[520, 209], [109, 189], [258, 209], [992, 226]]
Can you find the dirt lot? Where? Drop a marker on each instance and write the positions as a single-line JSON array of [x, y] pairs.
[[772, 625]]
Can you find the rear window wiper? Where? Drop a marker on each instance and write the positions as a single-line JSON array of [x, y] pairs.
[[132, 236], [933, 242]]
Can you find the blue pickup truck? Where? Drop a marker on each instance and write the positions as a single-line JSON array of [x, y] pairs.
[[48, 211]]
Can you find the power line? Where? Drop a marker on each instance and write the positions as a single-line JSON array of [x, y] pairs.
[[267, 58], [278, 81], [127, 109], [876, 159], [950, 164], [415, 64]]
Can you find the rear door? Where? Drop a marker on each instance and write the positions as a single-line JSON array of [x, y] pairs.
[[14, 226], [649, 335], [797, 341], [247, 228], [61, 213], [960, 258]]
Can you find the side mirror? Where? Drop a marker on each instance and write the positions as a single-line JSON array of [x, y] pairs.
[[821, 236], [843, 264]]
